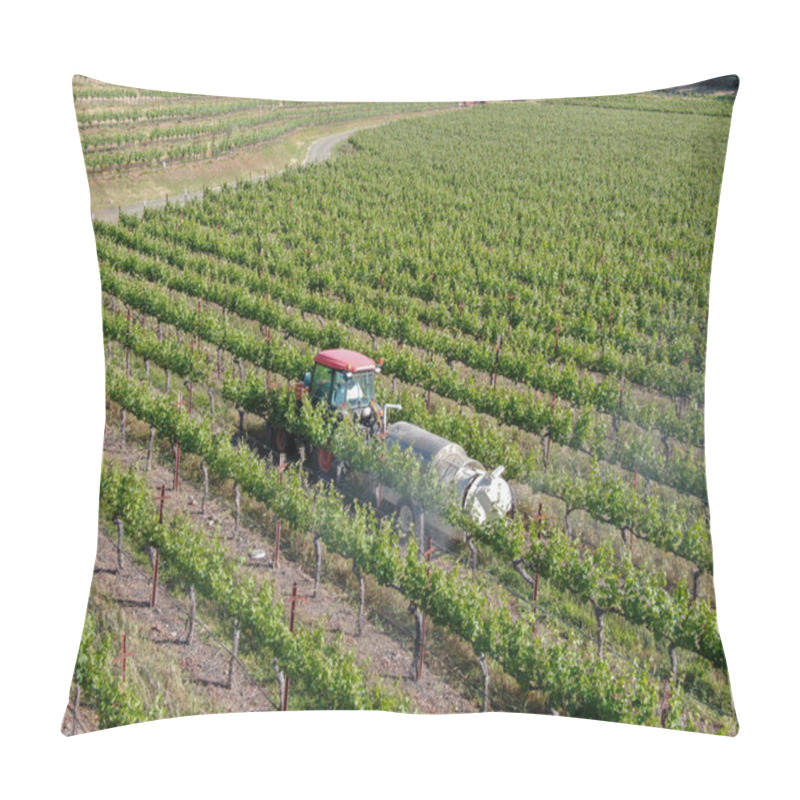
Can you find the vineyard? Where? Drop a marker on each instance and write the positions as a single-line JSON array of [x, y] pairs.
[[128, 132], [534, 278]]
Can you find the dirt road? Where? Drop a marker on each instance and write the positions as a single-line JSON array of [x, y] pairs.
[[319, 151]]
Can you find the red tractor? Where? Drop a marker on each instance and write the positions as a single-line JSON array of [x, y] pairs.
[[344, 382]]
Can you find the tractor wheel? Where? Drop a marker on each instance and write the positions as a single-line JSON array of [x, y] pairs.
[[339, 473], [324, 462], [407, 521], [280, 439]]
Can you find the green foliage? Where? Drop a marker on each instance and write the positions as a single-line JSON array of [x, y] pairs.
[[192, 558], [622, 695], [114, 701]]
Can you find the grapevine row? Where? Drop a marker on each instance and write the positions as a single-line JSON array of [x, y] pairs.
[[191, 559], [579, 430], [605, 498], [530, 318], [529, 362], [619, 587], [575, 683]]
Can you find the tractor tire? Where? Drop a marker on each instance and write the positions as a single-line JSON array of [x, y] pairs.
[[280, 440], [324, 462], [407, 521]]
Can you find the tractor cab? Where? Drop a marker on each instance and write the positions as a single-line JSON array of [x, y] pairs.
[[343, 381]]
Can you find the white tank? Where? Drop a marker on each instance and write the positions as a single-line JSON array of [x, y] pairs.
[[484, 494]]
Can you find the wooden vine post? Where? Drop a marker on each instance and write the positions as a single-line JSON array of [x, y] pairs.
[[234, 652], [177, 448], [423, 622], [318, 567], [498, 346], [538, 518], [192, 615], [665, 704], [127, 348], [485, 669], [75, 721], [161, 498], [277, 553], [118, 523], [122, 658], [295, 599]]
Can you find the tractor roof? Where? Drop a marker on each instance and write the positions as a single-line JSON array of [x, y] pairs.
[[345, 360]]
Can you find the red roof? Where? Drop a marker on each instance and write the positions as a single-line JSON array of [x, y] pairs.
[[342, 359]]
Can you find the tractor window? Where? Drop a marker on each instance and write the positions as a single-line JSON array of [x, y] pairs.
[[355, 391], [320, 383]]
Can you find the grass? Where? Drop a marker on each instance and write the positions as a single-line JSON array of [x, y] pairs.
[[151, 672]]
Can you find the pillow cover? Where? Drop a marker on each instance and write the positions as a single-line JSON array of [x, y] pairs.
[[404, 407]]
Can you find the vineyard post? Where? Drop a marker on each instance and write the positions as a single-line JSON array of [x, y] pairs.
[[600, 616], [155, 579], [318, 568], [192, 615], [234, 652], [237, 491], [415, 665], [122, 429], [118, 523], [379, 487], [122, 658], [485, 670], [204, 467], [162, 498], [673, 660], [177, 448], [281, 683], [473, 554], [75, 709], [539, 518], [665, 704], [150, 448], [361, 596], [295, 599], [497, 349], [428, 553], [276, 555], [696, 573], [127, 346], [176, 478]]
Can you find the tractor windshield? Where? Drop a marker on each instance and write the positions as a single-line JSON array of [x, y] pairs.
[[355, 391]]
